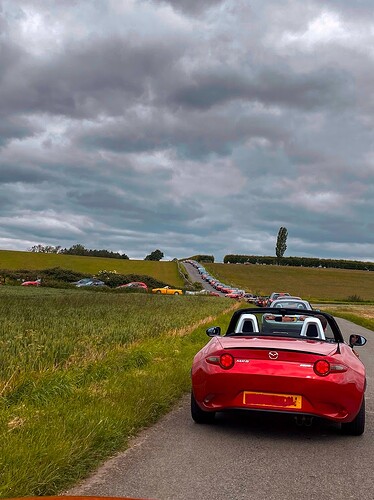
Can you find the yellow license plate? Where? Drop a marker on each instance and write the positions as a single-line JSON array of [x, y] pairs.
[[272, 400]]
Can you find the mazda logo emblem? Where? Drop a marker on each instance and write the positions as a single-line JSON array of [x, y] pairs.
[[273, 355]]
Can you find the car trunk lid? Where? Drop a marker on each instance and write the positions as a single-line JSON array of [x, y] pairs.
[[287, 349]]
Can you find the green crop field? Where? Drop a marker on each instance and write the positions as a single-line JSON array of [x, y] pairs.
[[166, 272], [81, 373], [309, 283]]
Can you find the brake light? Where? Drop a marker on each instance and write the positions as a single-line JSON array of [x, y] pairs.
[[226, 361], [323, 367]]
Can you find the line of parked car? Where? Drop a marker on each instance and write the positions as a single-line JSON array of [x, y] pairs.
[[95, 282], [275, 300], [222, 288], [166, 290]]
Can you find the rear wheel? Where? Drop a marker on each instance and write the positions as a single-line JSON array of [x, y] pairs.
[[357, 426], [200, 416], [158, 291]]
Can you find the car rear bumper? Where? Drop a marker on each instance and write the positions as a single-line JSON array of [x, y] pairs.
[[316, 396]]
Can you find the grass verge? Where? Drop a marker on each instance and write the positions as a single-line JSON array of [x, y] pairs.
[[360, 315]]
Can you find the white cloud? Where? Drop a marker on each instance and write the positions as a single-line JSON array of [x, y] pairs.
[[326, 28]]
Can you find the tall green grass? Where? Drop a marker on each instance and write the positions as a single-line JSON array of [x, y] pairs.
[[309, 283], [81, 373]]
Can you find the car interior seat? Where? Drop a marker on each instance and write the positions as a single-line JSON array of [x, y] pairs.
[[312, 328], [247, 324]]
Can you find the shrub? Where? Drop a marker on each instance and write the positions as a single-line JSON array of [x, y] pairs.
[[53, 283], [55, 273], [59, 274], [203, 258], [354, 298]]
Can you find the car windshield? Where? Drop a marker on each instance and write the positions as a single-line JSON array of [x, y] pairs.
[[274, 296], [290, 304], [289, 322]]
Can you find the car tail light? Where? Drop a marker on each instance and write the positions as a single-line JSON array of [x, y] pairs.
[[225, 361], [323, 368]]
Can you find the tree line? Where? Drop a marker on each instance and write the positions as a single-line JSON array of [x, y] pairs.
[[299, 262], [79, 249]]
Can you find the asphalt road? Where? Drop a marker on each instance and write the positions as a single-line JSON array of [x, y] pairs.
[[196, 277], [244, 456]]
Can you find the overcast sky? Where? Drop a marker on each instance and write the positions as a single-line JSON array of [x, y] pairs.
[[191, 126]]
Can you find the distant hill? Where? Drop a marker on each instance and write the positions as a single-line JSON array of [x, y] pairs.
[[166, 272]]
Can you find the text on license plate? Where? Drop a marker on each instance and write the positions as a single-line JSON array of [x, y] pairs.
[[272, 400]]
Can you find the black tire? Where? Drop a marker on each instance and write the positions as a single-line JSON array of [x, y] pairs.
[[158, 291], [176, 293], [357, 426], [200, 416]]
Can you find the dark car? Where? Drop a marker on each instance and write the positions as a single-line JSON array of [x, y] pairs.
[[89, 282], [261, 301]]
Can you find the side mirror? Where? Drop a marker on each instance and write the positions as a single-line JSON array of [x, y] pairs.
[[214, 331], [357, 340]]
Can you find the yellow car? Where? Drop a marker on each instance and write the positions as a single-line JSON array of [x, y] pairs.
[[167, 290]]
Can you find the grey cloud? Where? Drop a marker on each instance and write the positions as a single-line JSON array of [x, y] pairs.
[[313, 90], [198, 130], [15, 128], [28, 174], [188, 133], [190, 6], [101, 77]]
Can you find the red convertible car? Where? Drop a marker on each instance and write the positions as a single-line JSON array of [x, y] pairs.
[[134, 284], [37, 282], [281, 360]]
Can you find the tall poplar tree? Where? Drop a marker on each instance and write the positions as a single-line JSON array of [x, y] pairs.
[[281, 245]]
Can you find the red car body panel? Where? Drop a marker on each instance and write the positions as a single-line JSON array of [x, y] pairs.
[[31, 283], [233, 295], [256, 382], [134, 284]]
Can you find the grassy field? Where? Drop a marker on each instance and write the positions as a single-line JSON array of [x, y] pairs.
[[309, 283], [166, 272], [81, 373]]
